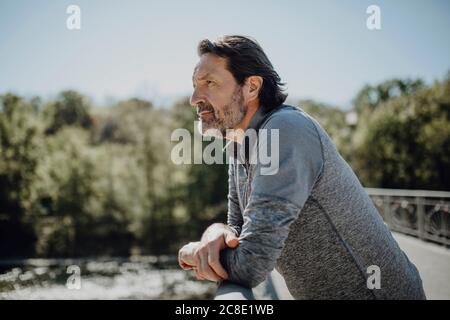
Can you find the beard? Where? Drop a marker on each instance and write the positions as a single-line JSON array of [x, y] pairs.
[[233, 113]]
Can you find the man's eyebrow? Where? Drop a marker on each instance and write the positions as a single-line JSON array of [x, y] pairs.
[[207, 75]]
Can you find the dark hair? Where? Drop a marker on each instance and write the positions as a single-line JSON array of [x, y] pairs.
[[246, 58]]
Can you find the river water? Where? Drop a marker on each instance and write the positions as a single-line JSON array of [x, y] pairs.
[[119, 278]]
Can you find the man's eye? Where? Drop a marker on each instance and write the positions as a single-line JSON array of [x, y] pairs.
[[209, 82]]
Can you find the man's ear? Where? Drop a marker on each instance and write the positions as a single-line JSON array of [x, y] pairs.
[[254, 86]]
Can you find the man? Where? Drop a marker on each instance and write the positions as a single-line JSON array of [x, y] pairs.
[[310, 218]]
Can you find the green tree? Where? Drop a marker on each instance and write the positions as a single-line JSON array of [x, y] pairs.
[[405, 142], [369, 97], [70, 108], [83, 215], [19, 156]]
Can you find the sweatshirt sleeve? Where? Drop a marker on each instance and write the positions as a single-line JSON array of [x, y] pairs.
[[234, 215], [277, 196]]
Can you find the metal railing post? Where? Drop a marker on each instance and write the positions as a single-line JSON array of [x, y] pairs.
[[387, 211], [420, 218]]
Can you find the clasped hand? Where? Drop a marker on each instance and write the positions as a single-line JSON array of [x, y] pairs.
[[204, 256]]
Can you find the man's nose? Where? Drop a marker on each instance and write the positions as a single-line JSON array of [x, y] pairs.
[[197, 98]]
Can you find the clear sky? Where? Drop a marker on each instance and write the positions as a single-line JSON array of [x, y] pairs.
[[322, 49]]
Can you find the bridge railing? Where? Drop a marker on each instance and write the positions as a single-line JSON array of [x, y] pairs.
[[270, 289], [421, 213], [232, 291]]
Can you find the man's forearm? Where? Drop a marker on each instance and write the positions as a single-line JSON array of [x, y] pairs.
[[262, 239]]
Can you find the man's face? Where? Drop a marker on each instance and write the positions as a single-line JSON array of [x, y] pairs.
[[217, 95]]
